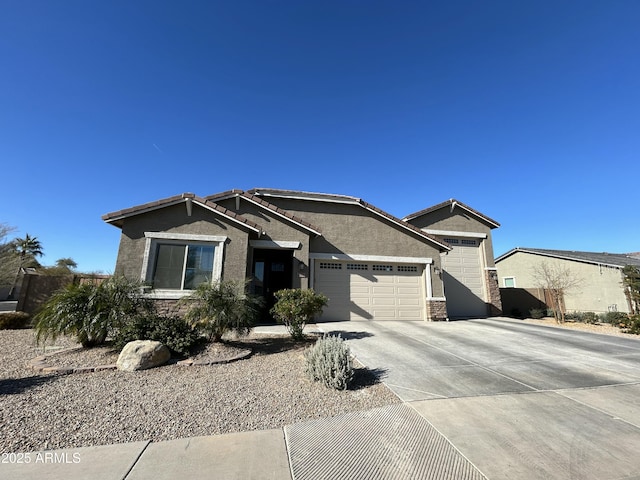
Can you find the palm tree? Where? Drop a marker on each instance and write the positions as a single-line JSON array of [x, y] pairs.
[[27, 248]]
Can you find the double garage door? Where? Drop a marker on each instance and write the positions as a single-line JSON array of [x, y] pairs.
[[370, 291]]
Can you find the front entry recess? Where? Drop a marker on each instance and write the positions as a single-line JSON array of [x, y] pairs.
[[272, 271]]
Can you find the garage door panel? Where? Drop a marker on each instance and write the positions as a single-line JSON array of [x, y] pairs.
[[408, 301], [464, 280], [383, 279], [382, 293], [383, 301], [382, 290], [408, 290]]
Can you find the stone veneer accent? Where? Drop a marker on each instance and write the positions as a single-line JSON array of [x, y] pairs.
[[493, 287], [436, 310], [170, 307]]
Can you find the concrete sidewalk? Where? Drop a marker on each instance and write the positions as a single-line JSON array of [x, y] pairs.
[[383, 443], [538, 435]]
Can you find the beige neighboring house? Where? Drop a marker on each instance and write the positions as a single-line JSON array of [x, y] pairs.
[[599, 274], [371, 265]]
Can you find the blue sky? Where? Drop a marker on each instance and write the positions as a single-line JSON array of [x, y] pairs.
[[527, 111]]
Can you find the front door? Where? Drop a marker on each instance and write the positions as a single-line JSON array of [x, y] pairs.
[[272, 271]]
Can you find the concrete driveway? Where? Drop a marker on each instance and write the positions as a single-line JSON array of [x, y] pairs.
[[517, 400]]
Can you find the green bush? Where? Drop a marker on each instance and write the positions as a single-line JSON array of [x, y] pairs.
[[329, 362], [14, 320], [589, 317], [172, 331], [633, 325], [582, 317], [537, 313], [220, 308], [295, 308], [616, 318], [91, 311]]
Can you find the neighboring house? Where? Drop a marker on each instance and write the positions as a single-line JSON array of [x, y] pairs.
[[599, 274], [369, 263]]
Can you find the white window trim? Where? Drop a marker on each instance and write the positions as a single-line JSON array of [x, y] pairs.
[[504, 285], [149, 253]]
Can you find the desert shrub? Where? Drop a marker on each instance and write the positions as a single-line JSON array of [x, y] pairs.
[[215, 309], [172, 331], [537, 313], [582, 317], [329, 362], [633, 325], [615, 318], [91, 311], [573, 316], [295, 308], [589, 317], [14, 320]]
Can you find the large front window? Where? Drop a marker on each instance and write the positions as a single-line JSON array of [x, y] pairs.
[[182, 267]]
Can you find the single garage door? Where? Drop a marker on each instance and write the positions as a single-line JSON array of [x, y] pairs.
[[371, 291], [463, 279]]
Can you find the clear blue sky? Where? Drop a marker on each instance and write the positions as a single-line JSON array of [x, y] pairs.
[[526, 111]]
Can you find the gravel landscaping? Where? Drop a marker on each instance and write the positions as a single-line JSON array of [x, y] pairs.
[[267, 390]]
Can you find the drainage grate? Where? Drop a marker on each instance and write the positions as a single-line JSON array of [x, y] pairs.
[[392, 442]]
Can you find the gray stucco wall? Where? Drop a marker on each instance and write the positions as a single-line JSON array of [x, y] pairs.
[[350, 229], [174, 219]]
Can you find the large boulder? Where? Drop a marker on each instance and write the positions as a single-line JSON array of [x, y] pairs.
[[142, 354]]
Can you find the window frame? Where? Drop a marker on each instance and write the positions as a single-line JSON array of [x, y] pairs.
[[153, 239], [504, 282]]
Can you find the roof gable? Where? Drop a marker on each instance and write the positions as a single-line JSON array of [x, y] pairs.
[[452, 204], [260, 202], [333, 198], [189, 199], [617, 260]]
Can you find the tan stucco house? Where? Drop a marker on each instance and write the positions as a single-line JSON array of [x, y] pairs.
[[599, 276], [369, 263]]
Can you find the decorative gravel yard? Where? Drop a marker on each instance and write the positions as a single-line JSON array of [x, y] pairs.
[[266, 390]]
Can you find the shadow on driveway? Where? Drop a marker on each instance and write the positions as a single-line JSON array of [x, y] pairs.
[[350, 335]]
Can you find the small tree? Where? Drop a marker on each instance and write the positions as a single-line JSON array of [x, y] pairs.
[[215, 309], [9, 259], [295, 308], [631, 282], [556, 279], [91, 311]]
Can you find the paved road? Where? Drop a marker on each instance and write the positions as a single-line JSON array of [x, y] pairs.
[[517, 400]]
